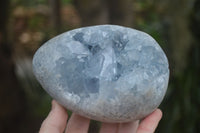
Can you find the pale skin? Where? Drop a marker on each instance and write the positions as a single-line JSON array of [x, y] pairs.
[[56, 122]]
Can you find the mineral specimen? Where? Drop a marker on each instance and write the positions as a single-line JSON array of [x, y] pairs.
[[108, 73]]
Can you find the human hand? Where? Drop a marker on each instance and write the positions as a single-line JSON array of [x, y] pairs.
[[56, 122]]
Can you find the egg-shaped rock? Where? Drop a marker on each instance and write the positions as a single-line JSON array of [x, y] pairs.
[[107, 73]]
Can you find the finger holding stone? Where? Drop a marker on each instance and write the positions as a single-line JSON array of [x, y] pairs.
[[109, 127], [77, 124], [56, 120], [149, 124], [129, 127]]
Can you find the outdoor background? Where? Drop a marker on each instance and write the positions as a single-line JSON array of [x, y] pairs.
[[26, 24]]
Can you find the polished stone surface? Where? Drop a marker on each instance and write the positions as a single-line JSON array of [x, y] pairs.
[[108, 73]]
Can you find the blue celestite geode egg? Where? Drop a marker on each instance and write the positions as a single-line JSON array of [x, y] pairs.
[[108, 73]]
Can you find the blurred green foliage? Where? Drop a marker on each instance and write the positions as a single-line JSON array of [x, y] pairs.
[[29, 3], [32, 3], [67, 1]]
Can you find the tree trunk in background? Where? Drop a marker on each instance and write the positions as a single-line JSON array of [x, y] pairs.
[[180, 34], [56, 14], [93, 12], [176, 14], [121, 12], [11, 100]]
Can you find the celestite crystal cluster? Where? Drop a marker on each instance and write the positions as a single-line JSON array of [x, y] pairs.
[[108, 73]]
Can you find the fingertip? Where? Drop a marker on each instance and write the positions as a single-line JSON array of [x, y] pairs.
[[130, 127], [149, 124], [158, 113], [56, 119], [109, 127], [77, 124]]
